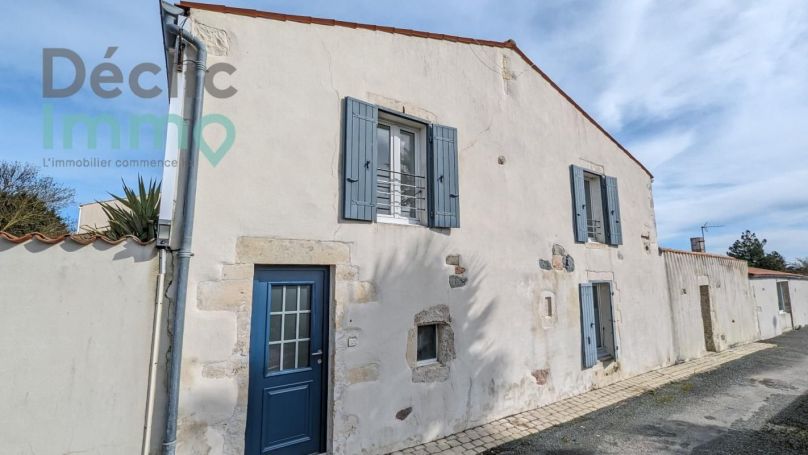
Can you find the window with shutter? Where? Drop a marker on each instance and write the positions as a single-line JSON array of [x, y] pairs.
[[588, 330], [598, 323], [398, 168], [359, 160], [596, 208], [444, 207]]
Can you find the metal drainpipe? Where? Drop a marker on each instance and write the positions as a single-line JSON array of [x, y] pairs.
[[184, 254], [157, 327]]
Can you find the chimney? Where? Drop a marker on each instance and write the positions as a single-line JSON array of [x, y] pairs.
[[697, 244]]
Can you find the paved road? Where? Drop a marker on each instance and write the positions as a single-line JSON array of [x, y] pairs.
[[755, 405]]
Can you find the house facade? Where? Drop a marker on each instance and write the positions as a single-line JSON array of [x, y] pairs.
[[781, 300], [412, 235]]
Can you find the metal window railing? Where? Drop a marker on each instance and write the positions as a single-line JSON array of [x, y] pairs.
[[594, 229], [400, 193]]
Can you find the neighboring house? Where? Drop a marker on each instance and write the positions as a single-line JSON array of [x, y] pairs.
[[781, 299], [711, 303], [92, 217], [414, 234]]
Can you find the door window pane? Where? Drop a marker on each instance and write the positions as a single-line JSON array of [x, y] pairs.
[[274, 357], [289, 327], [275, 327], [303, 354], [427, 343], [289, 356], [276, 299], [304, 327], [305, 298], [291, 298]]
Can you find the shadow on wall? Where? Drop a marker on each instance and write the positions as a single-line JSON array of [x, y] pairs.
[[433, 405]]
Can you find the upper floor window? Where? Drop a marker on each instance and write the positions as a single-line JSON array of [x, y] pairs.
[[597, 208], [401, 181], [398, 168]]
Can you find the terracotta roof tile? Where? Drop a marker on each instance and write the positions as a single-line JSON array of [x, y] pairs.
[[756, 272], [83, 239], [508, 44]]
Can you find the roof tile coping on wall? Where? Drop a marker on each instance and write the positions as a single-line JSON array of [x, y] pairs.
[[82, 239], [697, 253], [508, 44], [756, 272]]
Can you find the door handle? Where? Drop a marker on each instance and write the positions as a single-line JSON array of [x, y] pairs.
[[318, 353]]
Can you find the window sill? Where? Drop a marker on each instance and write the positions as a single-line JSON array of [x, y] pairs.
[[389, 219], [432, 372], [594, 244], [424, 363]]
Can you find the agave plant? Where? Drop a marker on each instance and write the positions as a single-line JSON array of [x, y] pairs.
[[134, 213]]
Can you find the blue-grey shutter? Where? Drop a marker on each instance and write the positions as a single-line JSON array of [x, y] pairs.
[[359, 160], [579, 203], [613, 211], [444, 194], [615, 336], [590, 348]]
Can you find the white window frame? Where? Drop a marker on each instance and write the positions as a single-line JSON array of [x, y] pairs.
[[436, 332], [781, 298], [396, 124], [595, 188]]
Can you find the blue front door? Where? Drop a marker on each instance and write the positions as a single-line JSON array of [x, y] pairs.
[[288, 353]]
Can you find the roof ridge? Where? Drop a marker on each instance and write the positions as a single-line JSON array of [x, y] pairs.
[[507, 44], [82, 239]]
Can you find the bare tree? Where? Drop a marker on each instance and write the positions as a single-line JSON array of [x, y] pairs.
[[30, 202]]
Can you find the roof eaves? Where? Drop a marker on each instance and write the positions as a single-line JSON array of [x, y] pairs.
[[757, 272], [508, 44]]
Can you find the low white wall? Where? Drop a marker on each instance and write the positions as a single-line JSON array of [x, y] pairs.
[[734, 316], [75, 338]]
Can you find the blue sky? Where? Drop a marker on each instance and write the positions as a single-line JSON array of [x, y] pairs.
[[711, 96]]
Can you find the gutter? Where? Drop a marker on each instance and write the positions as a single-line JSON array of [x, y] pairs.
[[172, 30]]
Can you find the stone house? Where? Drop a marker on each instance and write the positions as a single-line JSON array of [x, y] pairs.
[[413, 234]]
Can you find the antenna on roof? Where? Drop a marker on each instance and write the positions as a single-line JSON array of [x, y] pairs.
[[704, 228]]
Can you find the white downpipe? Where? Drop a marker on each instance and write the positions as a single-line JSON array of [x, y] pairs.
[[157, 329]]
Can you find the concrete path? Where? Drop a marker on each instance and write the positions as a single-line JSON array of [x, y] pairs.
[[686, 412], [757, 404]]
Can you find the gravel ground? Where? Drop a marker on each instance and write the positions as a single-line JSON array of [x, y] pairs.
[[755, 405]]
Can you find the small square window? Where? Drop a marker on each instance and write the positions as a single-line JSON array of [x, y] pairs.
[[427, 343]]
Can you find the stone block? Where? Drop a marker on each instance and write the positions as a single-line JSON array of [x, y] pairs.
[[456, 281], [271, 251], [365, 373], [230, 295], [453, 259]]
